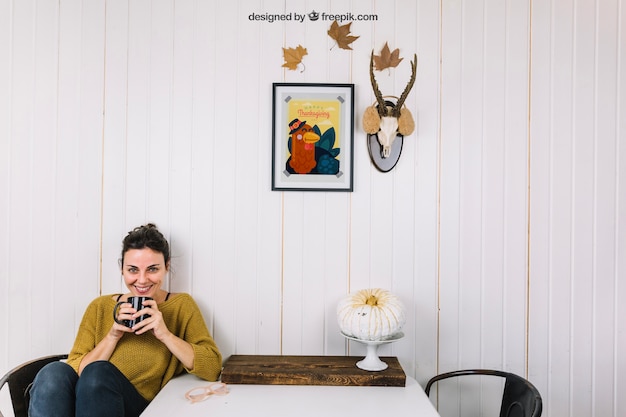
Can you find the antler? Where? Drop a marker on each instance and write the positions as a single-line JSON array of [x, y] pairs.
[[382, 107], [396, 109]]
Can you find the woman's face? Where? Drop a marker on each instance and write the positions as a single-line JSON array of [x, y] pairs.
[[143, 271]]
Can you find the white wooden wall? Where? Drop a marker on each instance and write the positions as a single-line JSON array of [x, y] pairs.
[[501, 227]]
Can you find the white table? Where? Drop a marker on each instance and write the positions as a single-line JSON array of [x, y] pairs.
[[292, 401]]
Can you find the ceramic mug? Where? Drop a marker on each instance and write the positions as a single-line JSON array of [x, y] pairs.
[[137, 304]]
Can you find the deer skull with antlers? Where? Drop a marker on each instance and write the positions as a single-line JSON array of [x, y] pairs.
[[385, 119]]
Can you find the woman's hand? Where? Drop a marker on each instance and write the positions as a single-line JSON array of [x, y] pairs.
[[179, 347], [125, 312], [154, 322]]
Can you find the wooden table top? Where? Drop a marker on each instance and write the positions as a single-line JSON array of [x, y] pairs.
[[309, 370]]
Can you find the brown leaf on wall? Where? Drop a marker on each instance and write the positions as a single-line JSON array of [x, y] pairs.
[[293, 57], [387, 59], [341, 34]]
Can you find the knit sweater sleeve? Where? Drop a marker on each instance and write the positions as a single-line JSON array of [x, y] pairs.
[[87, 336], [192, 328]]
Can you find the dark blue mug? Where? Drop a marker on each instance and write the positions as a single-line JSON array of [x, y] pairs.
[[137, 304]]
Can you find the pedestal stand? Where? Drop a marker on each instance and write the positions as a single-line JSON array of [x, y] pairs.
[[372, 362]]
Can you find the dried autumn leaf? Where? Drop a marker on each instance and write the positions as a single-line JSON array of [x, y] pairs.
[[341, 34], [387, 59], [293, 57]]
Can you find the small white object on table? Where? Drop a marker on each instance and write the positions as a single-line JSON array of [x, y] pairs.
[[292, 400]]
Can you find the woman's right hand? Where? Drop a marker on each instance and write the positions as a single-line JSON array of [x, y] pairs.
[[125, 312]]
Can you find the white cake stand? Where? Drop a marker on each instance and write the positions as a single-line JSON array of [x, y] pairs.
[[372, 362]]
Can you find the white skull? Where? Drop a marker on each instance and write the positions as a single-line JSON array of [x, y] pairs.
[[387, 133]]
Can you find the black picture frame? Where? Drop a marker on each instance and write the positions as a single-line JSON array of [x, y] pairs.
[[312, 137]]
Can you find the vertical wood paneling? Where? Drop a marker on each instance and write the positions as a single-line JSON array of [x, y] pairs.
[[203, 280], [470, 279], [449, 179], [424, 102], [292, 314], [67, 154], [19, 186], [269, 216], [619, 259], [605, 220], [462, 195], [516, 182], [139, 104], [336, 268], [312, 276], [483, 196], [560, 212], [159, 129], [118, 113], [44, 162], [249, 143], [224, 166], [505, 250], [582, 183], [79, 150], [576, 151], [6, 76], [115, 144], [540, 285], [494, 251], [181, 144]]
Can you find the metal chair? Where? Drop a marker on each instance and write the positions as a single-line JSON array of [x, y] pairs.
[[519, 399], [20, 379]]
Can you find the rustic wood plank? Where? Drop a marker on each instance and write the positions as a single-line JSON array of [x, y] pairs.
[[309, 370]]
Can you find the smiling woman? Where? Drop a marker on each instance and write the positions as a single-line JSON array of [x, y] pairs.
[[115, 369]]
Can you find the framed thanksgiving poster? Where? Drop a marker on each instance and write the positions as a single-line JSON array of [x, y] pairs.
[[312, 137]]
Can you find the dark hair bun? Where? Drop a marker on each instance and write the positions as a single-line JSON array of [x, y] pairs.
[[146, 236]]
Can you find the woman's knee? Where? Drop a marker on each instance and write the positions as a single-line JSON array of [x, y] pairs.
[[97, 374], [53, 388], [99, 369], [52, 392], [55, 377]]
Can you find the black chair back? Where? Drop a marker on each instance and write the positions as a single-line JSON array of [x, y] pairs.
[[21, 378], [519, 399]]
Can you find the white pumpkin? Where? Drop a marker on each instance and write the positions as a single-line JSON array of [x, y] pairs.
[[371, 314]]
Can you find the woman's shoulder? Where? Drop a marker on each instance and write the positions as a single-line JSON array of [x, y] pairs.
[[180, 300], [178, 297]]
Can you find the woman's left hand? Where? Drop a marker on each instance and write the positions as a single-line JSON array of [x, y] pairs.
[[154, 322], [179, 347]]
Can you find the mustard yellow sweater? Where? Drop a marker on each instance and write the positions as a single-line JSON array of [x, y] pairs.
[[143, 359]]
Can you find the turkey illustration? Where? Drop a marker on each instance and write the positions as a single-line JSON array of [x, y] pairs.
[[311, 151]]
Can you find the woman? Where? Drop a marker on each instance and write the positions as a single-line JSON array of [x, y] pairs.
[[114, 370]]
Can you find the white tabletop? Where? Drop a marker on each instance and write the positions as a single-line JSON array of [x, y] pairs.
[[292, 400]]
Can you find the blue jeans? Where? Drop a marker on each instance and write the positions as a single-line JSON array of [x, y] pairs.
[[101, 390]]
